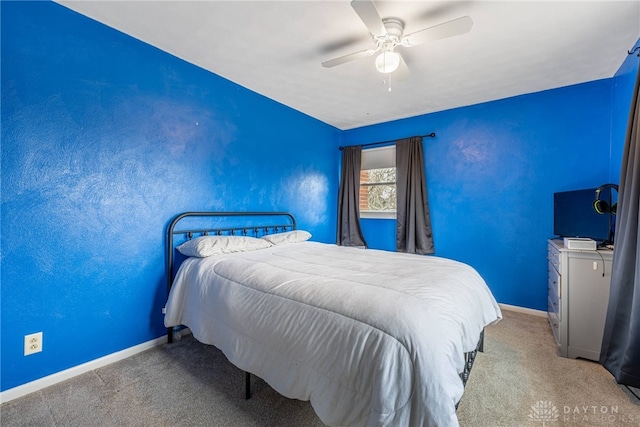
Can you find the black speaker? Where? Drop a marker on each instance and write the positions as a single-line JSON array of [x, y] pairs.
[[602, 206]]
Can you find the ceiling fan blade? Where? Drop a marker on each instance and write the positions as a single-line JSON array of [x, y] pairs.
[[346, 58], [367, 11], [402, 73], [446, 29]]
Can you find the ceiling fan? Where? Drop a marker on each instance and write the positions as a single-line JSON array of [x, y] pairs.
[[388, 34]]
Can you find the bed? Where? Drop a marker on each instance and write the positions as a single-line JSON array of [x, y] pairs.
[[369, 337]]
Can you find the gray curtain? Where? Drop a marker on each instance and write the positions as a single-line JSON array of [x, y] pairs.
[[413, 229], [620, 353], [349, 232]]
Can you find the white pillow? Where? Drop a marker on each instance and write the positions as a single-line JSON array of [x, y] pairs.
[[294, 236], [205, 246]]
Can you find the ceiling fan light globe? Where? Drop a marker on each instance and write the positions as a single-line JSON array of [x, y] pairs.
[[387, 62]]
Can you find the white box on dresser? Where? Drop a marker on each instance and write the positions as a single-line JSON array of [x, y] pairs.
[[578, 289], [580, 243]]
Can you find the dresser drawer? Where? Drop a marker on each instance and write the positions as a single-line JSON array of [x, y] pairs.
[[555, 327], [553, 306], [555, 292], [553, 255], [554, 281]]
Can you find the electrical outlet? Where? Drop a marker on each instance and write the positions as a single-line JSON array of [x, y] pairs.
[[32, 343]]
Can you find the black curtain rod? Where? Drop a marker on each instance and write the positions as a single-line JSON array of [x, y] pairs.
[[632, 51], [430, 135]]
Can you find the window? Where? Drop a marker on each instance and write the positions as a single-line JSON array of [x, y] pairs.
[[378, 183]]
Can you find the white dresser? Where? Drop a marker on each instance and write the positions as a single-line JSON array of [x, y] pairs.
[[579, 282]]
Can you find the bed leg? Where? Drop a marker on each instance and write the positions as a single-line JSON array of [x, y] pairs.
[[247, 385], [481, 343]]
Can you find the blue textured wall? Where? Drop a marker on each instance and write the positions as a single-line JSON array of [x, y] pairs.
[[104, 139], [491, 173]]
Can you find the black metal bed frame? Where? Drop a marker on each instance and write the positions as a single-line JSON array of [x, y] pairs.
[[470, 357], [256, 231]]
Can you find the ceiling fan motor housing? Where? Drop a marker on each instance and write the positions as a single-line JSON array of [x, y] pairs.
[[395, 29]]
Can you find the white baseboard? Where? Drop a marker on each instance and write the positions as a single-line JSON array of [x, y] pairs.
[[524, 310], [39, 384]]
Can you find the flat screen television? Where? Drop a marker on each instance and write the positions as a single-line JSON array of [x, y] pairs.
[[574, 216]]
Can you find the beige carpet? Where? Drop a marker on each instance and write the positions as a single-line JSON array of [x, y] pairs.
[[520, 381], [517, 381]]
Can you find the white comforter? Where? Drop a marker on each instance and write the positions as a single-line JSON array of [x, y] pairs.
[[368, 337]]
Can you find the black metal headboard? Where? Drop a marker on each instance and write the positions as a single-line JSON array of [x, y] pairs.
[[249, 228]]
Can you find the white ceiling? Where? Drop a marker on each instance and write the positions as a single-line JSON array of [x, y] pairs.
[[275, 48]]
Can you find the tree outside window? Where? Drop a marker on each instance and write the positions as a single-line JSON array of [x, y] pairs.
[[378, 190]]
